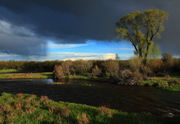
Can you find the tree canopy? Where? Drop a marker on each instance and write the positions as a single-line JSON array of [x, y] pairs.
[[141, 28]]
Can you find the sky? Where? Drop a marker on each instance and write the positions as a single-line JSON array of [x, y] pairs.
[[76, 29]]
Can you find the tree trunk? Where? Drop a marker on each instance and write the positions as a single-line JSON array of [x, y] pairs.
[[146, 53]]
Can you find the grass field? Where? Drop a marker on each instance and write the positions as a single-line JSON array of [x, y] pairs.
[[30, 109], [14, 74], [8, 71]]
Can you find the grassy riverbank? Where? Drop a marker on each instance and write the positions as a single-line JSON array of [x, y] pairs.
[[168, 83], [160, 82], [14, 74], [25, 108]]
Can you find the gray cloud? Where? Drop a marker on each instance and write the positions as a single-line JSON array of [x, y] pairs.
[[75, 21], [19, 40]]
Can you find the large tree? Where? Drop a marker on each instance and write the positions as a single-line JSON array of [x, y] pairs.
[[141, 28]]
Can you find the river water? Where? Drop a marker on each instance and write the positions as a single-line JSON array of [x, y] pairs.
[[124, 98]]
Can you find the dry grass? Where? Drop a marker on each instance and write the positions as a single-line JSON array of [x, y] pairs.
[[44, 99], [19, 95], [83, 119], [105, 111], [65, 112]]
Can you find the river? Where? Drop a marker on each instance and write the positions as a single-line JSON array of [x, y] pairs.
[[124, 98]]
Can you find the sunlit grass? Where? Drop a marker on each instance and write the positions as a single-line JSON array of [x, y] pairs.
[[172, 88], [165, 78], [78, 77], [30, 109], [43, 75], [162, 82], [14, 74], [8, 70]]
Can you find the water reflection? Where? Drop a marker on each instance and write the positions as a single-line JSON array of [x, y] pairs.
[[46, 81]]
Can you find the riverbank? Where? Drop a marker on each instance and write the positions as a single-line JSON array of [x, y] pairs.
[[167, 83], [14, 74], [26, 108]]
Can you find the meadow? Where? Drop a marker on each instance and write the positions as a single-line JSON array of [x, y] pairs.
[[25, 108]]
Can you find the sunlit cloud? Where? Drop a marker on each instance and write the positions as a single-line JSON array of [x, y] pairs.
[[61, 56], [125, 56], [7, 55], [51, 45], [10, 29], [78, 55]]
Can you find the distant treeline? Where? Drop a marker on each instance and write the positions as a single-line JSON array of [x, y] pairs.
[[155, 66], [29, 66]]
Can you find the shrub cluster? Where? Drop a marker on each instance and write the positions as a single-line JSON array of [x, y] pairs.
[[128, 77], [108, 70], [29, 66], [156, 67], [98, 68], [59, 72], [129, 72], [96, 72]]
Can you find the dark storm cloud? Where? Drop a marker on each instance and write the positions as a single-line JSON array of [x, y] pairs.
[[77, 21]]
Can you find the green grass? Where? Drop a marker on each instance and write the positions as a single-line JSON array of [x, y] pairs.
[[166, 78], [162, 82], [30, 109], [85, 77], [151, 82], [8, 70], [172, 88], [43, 75], [14, 74], [79, 77]]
